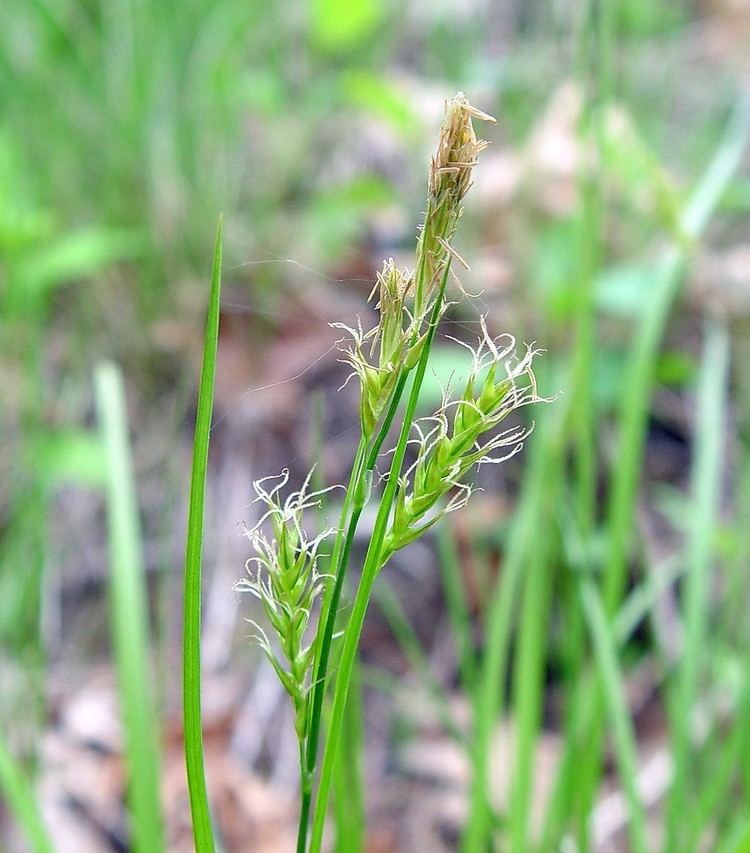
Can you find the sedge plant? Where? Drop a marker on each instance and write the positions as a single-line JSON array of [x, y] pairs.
[[301, 601]]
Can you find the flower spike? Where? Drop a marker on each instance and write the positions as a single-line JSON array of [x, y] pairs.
[[283, 575]]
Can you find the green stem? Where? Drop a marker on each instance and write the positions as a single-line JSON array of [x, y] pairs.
[[369, 572], [528, 674], [348, 794], [597, 41], [306, 788], [613, 684], [356, 498], [457, 605], [706, 488], [489, 694], [330, 602], [130, 612], [22, 802], [191, 656]]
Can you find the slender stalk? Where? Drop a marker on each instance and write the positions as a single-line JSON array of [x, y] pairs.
[[489, 695], [383, 383], [737, 837], [717, 798], [348, 795], [191, 661], [590, 228], [529, 677], [354, 502], [613, 683], [707, 472], [372, 564], [129, 603], [19, 796], [575, 731], [580, 716], [407, 638], [329, 608], [306, 800], [596, 48], [457, 606]]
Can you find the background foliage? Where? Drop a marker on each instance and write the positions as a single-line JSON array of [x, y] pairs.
[[586, 622]]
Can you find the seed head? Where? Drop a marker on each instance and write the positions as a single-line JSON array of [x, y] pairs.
[[457, 151], [394, 345], [399, 337], [392, 286], [449, 181], [456, 438], [283, 575]]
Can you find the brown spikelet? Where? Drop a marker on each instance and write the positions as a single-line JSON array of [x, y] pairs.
[[449, 181]]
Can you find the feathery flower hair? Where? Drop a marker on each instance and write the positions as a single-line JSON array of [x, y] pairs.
[[449, 446], [283, 575], [400, 334]]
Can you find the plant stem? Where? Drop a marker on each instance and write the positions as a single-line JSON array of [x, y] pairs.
[[191, 659], [304, 812], [489, 693], [129, 604], [706, 477], [596, 48], [528, 670], [370, 569], [348, 794], [352, 509], [330, 602], [21, 801], [457, 605], [613, 684]]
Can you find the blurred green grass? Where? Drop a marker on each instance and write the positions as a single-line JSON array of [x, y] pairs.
[[127, 126]]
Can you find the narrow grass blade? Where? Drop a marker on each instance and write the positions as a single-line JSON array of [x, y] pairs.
[[457, 605], [489, 695], [635, 395], [640, 601], [407, 638], [642, 359], [737, 839], [575, 733], [707, 472], [191, 642], [528, 684], [19, 796], [349, 799], [717, 798], [362, 468], [372, 564], [129, 604], [617, 709]]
